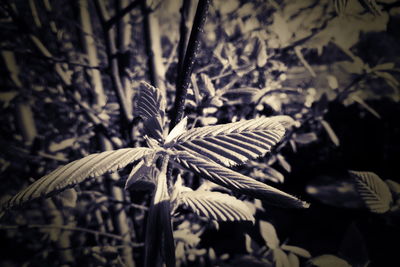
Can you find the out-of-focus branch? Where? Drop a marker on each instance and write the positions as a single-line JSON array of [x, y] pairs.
[[24, 117], [112, 60], [183, 79], [153, 47], [68, 228], [121, 219], [184, 32], [124, 40], [121, 13], [91, 50]]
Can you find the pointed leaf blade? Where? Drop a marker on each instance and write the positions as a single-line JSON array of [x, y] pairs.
[[216, 206], [78, 171], [269, 235], [150, 106], [373, 190], [232, 143], [237, 181]]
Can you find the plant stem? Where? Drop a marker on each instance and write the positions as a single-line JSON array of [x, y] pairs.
[[183, 78], [153, 47], [183, 33]]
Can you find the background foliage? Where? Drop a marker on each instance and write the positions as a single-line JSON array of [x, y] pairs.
[[69, 74]]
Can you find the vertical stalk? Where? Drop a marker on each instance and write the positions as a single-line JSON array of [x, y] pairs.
[[183, 78], [25, 118], [121, 219], [184, 32], [124, 39], [112, 59], [91, 50], [153, 47]]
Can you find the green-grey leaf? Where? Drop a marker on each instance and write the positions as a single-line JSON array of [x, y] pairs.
[[216, 206], [150, 106], [78, 171], [237, 181], [373, 190], [232, 143]]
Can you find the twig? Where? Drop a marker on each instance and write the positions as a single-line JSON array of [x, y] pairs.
[[126, 10], [69, 228], [112, 60], [183, 79]]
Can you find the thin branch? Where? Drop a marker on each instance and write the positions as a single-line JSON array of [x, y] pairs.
[[112, 60], [183, 79], [153, 47], [69, 228], [110, 22]]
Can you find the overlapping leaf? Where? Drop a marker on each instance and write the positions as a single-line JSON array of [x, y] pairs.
[[236, 181], [150, 106], [78, 171], [232, 143], [216, 206], [373, 190]]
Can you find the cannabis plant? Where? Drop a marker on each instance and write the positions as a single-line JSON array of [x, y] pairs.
[[206, 151]]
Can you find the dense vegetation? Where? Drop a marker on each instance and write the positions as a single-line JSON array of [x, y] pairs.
[[199, 133]]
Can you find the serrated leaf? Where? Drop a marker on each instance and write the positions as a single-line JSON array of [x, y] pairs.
[[232, 143], [78, 171], [159, 243], [328, 260], [237, 181], [373, 190], [297, 250], [269, 235], [150, 106], [216, 206]]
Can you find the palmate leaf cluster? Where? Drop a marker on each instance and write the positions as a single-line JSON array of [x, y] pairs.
[[202, 150]]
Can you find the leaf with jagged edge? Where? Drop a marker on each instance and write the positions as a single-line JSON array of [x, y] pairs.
[[373, 190], [236, 181], [76, 172], [150, 106], [216, 206], [232, 143]]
